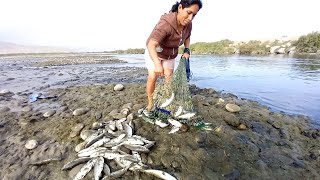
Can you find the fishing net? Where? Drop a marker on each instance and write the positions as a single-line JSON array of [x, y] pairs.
[[172, 99]]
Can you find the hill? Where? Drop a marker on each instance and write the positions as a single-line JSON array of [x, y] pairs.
[[11, 48]]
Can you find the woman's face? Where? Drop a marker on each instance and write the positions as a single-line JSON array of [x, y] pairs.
[[186, 15]]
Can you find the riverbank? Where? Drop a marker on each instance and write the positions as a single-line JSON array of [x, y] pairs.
[[254, 143]]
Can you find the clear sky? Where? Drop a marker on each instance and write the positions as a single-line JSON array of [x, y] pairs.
[[122, 24]]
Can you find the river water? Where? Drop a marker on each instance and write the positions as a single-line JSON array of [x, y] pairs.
[[284, 83]]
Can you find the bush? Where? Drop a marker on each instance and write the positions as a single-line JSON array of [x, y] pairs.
[[309, 43]]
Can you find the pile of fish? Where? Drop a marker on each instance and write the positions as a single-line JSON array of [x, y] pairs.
[[103, 146]]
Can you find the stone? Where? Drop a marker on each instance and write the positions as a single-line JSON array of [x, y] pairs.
[[118, 87], [49, 113], [80, 111], [242, 127], [31, 144], [232, 120], [232, 108], [78, 127], [4, 92], [201, 137], [4, 109]]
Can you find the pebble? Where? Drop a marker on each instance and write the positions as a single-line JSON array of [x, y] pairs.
[[80, 111], [233, 108], [31, 144], [4, 109], [232, 120], [118, 87], [98, 115], [78, 127], [201, 137], [4, 92], [27, 109], [242, 127], [49, 113]]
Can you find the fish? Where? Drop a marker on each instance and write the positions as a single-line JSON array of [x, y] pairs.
[[186, 116], [115, 141], [133, 141], [174, 129], [179, 111], [85, 169], [127, 129], [74, 163], [137, 148], [106, 169], [161, 124], [168, 101], [175, 123], [159, 174], [99, 143], [98, 167]]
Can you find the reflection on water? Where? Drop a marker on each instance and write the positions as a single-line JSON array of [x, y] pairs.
[[289, 84]]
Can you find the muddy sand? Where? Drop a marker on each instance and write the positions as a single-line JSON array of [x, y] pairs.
[[254, 143]]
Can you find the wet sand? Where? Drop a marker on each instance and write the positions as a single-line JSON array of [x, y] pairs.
[[254, 143]]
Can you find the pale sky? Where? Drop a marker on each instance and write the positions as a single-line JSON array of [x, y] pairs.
[[122, 24]]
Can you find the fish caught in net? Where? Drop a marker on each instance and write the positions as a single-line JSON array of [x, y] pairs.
[[173, 102]]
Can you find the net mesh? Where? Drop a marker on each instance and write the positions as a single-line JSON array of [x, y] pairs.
[[172, 99]]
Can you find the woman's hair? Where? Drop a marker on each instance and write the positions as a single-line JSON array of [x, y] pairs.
[[185, 3]]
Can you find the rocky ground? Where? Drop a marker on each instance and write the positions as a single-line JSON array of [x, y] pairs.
[[253, 143]]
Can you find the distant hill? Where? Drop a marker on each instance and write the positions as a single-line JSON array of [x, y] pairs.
[[11, 48]]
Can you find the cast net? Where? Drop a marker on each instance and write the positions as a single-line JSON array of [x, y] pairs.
[[172, 100]]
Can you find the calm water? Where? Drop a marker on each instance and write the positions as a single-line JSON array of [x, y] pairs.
[[288, 84]]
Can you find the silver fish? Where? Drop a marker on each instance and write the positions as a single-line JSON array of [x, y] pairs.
[[133, 141], [115, 141], [98, 167], [85, 169], [46, 161], [112, 125], [168, 101], [179, 111], [119, 173], [159, 174], [174, 129], [99, 143], [127, 129], [74, 163], [149, 145], [186, 116], [161, 124], [87, 152], [106, 169], [175, 123], [145, 140], [137, 148]]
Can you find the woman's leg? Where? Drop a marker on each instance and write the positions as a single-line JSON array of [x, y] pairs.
[[151, 84]]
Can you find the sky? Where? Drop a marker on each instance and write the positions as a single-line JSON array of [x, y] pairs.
[[109, 25]]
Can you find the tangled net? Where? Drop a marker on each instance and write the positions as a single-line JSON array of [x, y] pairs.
[[172, 100]]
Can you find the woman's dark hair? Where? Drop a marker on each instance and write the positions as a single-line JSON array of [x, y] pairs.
[[185, 3]]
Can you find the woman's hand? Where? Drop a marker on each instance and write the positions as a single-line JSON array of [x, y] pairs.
[[186, 55], [158, 69]]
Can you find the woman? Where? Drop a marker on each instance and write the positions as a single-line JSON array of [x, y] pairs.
[[172, 30]]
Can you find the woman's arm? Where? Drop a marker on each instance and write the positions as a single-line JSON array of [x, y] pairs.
[[158, 69], [186, 45]]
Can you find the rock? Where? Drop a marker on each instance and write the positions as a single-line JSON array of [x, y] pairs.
[[80, 146], [31, 144], [80, 111], [235, 174], [98, 115], [4, 109], [201, 137], [130, 117], [73, 134], [232, 108], [63, 108], [27, 109], [232, 120], [4, 92], [128, 106], [242, 127], [49, 113], [118, 87], [86, 133], [78, 127]]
